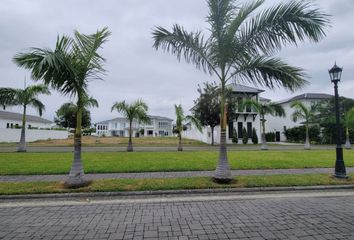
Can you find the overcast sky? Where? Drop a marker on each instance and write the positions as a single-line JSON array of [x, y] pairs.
[[135, 69]]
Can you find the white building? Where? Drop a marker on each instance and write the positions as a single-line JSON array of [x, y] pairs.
[[37, 128], [277, 124], [158, 126], [249, 119], [245, 118]]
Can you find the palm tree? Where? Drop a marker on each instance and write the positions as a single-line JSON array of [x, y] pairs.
[[24, 97], [181, 119], [265, 108], [306, 113], [241, 45], [348, 122], [135, 111], [69, 68]]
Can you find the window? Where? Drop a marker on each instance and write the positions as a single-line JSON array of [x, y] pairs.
[[12, 125], [231, 129], [166, 133], [161, 133], [239, 129], [249, 129], [163, 124]]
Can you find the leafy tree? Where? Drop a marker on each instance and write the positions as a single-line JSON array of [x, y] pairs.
[[69, 68], [66, 114], [234, 137], [181, 120], [27, 97], [306, 113], [244, 136], [264, 108], [348, 123], [241, 44], [135, 111], [207, 107], [254, 136]]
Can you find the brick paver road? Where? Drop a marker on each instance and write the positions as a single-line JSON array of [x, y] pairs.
[[275, 216]]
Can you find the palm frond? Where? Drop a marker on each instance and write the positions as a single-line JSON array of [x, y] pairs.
[[269, 72], [277, 110], [194, 121], [284, 23], [301, 111], [37, 105], [8, 96], [190, 46]]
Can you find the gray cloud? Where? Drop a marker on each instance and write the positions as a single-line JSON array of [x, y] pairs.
[[135, 69]]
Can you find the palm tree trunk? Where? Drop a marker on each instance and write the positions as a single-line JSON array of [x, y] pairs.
[[307, 141], [212, 136], [76, 175], [222, 172], [263, 138], [22, 143], [130, 144], [347, 141], [180, 147]]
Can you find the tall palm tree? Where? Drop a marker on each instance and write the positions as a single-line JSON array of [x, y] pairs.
[[69, 68], [135, 111], [306, 113], [182, 119], [348, 122], [24, 97], [241, 45], [265, 108]]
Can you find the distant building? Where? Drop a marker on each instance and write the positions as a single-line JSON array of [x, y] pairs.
[[37, 128], [158, 126], [278, 125]]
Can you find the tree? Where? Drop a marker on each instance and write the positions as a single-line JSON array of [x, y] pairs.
[[66, 114], [181, 119], [135, 111], [69, 68], [241, 44], [264, 108], [27, 97], [254, 136], [306, 113], [244, 136], [348, 123], [207, 106]]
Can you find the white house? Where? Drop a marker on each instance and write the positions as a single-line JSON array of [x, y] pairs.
[[37, 128], [245, 118], [277, 124], [158, 126]]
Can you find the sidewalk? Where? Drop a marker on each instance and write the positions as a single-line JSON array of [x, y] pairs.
[[33, 178]]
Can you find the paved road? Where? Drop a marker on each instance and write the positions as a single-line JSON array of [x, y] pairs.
[[166, 149], [310, 216], [33, 178]]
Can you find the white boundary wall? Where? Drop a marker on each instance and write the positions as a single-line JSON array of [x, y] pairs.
[[13, 135]]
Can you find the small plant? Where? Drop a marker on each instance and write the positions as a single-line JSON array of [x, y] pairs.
[[244, 136], [234, 137], [270, 137], [254, 136]]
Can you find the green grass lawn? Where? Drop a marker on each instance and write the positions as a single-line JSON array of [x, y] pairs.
[[117, 185], [59, 163]]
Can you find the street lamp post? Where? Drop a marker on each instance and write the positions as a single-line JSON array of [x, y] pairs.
[[335, 73]]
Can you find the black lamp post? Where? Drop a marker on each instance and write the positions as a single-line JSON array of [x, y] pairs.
[[335, 73]]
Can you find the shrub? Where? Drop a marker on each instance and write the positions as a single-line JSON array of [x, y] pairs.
[[244, 136], [234, 136], [298, 134], [254, 136], [270, 136]]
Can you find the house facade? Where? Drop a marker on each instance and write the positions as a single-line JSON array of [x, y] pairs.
[[245, 118], [37, 128], [249, 119], [278, 125], [158, 126]]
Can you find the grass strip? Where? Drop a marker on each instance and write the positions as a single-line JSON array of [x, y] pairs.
[[118, 185], [116, 162]]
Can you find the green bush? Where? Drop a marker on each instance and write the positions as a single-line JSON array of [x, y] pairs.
[[244, 136], [270, 136], [254, 136], [234, 136], [298, 134]]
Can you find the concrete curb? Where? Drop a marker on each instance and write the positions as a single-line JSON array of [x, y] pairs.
[[64, 196]]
